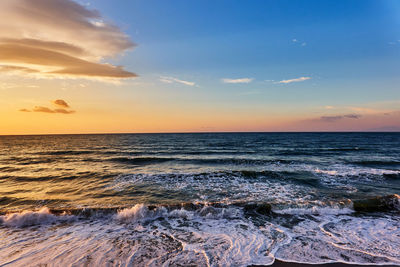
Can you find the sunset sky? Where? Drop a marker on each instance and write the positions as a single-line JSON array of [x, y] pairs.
[[105, 66]]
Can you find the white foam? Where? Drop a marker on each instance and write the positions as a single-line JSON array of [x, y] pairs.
[[345, 239], [235, 186], [181, 213], [344, 170], [29, 218], [210, 186], [208, 236], [331, 172], [139, 212], [315, 211]]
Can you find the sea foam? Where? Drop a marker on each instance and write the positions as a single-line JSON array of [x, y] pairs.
[[29, 218]]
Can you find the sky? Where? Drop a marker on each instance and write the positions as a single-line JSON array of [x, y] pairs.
[[137, 66]]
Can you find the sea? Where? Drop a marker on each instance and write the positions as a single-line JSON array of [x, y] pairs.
[[199, 199]]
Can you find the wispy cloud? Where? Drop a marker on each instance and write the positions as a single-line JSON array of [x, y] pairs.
[[395, 43], [166, 79], [4, 86], [365, 110], [300, 79], [372, 108], [65, 39], [299, 42], [240, 80], [339, 117], [58, 102]]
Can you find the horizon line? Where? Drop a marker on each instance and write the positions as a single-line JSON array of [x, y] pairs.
[[199, 132]]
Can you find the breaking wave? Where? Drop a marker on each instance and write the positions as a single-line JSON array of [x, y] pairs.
[[30, 218], [207, 210], [209, 234]]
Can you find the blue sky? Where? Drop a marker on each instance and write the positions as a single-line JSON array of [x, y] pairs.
[[349, 47]]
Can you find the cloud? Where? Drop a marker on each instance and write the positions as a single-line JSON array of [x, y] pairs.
[[166, 79], [295, 80], [60, 102], [16, 69], [365, 110], [51, 45], [64, 111], [241, 80], [48, 110], [339, 117], [59, 38], [299, 42], [43, 109]]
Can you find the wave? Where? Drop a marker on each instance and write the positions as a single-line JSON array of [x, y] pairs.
[[316, 211], [140, 160], [347, 171], [30, 218], [141, 212], [206, 161], [213, 186], [83, 175], [9, 169], [236, 161], [282, 187], [137, 213], [219, 152], [377, 163], [7, 200], [64, 152], [209, 234], [319, 151], [345, 149], [201, 233], [29, 161], [189, 210]]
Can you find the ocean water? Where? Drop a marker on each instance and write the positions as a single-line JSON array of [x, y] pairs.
[[212, 199]]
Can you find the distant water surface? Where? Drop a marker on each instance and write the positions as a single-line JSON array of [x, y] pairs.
[[212, 199]]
